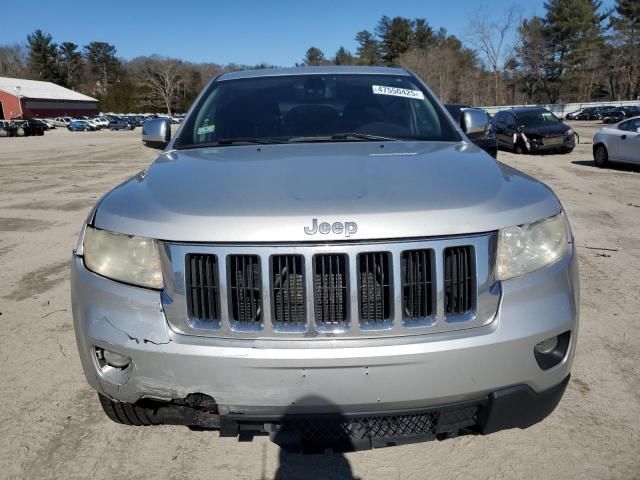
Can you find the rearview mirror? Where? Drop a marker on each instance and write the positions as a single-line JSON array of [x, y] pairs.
[[475, 122], [156, 133]]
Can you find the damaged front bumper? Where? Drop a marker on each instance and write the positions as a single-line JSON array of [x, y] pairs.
[[256, 378]]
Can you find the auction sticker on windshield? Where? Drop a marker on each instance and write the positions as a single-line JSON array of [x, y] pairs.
[[397, 92]]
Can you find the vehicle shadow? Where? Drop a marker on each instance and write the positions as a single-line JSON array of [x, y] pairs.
[[622, 167], [313, 448]]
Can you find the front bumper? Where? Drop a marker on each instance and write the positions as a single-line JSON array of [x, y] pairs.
[[277, 377]]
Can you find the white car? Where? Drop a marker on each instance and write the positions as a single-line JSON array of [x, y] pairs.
[[62, 121], [618, 143], [103, 122], [92, 121]]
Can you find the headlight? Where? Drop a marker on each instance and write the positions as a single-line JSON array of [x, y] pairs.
[[530, 247], [134, 260]]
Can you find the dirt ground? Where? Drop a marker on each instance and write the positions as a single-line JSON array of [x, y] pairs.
[[51, 425]]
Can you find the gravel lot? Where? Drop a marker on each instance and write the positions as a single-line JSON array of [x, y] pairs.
[[51, 425]]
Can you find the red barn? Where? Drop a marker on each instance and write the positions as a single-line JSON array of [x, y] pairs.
[[21, 98]]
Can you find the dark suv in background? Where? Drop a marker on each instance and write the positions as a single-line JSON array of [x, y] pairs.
[[533, 129]]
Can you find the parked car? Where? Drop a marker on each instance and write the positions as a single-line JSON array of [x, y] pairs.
[[618, 114], [92, 121], [120, 124], [574, 115], [485, 140], [28, 127], [532, 130], [62, 121], [7, 128], [81, 126], [40, 122], [618, 143], [102, 122], [318, 255], [49, 123]]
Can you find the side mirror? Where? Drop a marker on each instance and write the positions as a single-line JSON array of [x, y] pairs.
[[156, 133], [475, 122]]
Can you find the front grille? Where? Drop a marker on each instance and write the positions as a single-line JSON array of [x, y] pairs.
[[418, 289], [375, 286], [330, 289], [341, 289], [459, 280], [245, 288], [203, 288], [287, 289]]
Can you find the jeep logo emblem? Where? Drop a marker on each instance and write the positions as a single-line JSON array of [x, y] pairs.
[[346, 228]]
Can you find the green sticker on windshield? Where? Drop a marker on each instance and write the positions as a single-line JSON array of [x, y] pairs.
[[206, 129]]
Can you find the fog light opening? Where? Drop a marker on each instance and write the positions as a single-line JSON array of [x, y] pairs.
[[112, 359], [551, 352]]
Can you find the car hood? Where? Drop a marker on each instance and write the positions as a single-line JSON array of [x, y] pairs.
[[547, 131], [271, 193]]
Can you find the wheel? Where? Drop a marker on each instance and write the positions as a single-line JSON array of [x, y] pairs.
[[125, 413], [518, 149], [20, 132], [3, 133], [600, 156]]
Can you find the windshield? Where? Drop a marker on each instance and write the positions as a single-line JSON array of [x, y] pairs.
[[540, 118], [313, 107]]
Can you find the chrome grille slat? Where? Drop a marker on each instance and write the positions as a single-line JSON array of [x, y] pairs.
[[374, 287], [245, 289], [202, 277], [458, 280], [331, 293], [418, 279], [287, 289]]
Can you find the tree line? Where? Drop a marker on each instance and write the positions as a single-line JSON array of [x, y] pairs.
[[576, 52]]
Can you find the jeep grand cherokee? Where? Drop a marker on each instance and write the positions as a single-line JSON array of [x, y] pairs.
[[322, 255]]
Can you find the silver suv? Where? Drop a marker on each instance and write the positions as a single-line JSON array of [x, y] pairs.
[[322, 255]]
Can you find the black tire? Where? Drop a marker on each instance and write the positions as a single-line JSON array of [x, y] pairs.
[[125, 413], [600, 156], [518, 149]]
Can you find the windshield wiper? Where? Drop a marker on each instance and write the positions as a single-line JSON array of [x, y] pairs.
[[341, 137], [222, 142]]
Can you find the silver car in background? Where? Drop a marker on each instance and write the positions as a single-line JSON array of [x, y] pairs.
[[322, 255], [618, 143]]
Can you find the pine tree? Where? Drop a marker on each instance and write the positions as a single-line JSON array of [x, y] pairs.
[[70, 65], [396, 37], [102, 65], [343, 57], [368, 48], [314, 56], [43, 57], [575, 32]]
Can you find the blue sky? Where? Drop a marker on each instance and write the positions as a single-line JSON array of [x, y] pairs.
[[247, 32]]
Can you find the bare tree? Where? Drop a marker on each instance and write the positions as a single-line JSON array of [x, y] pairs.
[[488, 36], [163, 76], [13, 61]]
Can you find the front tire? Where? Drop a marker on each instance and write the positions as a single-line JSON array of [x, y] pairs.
[[519, 149], [600, 156], [125, 413]]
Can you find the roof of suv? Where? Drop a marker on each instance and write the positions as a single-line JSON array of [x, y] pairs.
[[320, 70]]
